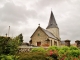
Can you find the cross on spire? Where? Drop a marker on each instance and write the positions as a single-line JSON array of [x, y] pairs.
[[39, 24]]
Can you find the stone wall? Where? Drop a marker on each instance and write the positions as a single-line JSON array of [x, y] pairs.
[[27, 49], [39, 36]]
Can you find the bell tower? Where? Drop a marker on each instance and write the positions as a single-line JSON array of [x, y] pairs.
[[52, 26]]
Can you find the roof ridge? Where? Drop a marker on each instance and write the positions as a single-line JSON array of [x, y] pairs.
[[48, 33]]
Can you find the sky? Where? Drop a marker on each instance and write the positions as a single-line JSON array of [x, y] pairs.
[[23, 16]]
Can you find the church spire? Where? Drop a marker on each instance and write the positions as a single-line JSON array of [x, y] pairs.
[[52, 22]]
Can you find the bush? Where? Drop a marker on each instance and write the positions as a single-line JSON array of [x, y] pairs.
[[65, 48], [52, 53], [74, 53], [69, 53], [38, 50], [33, 56], [73, 48], [61, 52], [8, 57], [53, 48]]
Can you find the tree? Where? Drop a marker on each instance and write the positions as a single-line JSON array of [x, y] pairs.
[[20, 36], [10, 45], [3, 43], [7, 45]]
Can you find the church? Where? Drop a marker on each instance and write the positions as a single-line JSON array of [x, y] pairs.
[[46, 37]]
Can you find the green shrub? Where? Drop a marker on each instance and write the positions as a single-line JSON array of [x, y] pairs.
[[53, 48], [74, 53], [65, 48], [73, 48], [8, 57], [33, 56], [52, 53], [61, 52], [38, 49]]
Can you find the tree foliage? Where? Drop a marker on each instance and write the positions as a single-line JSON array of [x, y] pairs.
[[4, 48], [20, 36], [10, 45]]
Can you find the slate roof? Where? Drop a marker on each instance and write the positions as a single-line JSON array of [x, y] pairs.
[[48, 33], [52, 22]]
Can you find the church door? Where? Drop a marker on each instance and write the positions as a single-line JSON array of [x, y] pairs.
[[38, 43]]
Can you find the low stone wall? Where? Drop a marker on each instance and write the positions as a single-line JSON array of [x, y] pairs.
[[27, 49]]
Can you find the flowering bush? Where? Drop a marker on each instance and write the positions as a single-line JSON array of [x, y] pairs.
[[64, 53], [52, 53]]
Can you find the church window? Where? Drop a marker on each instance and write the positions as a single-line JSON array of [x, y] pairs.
[[38, 34]]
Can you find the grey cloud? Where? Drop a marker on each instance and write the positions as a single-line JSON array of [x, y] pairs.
[[2, 1], [69, 29], [14, 16], [67, 16], [43, 4], [27, 32], [66, 13], [12, 13]]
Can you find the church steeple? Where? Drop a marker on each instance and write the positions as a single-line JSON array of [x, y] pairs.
[[52, 22]]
